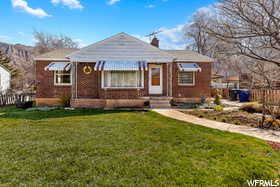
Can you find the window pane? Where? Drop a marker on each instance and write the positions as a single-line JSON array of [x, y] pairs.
[[155, 76], [185, 78], [123, 79], [62, 77]]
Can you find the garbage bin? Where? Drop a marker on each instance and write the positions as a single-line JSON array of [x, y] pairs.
[[233, 95], [244, 96]]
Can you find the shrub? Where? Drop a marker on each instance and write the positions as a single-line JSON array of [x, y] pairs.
[[272, 122], [173, 103], [252, 107], [147, 103], [236, 122], [218, 97], [218, 108], [201, 116], [224, 120], [65, 100]]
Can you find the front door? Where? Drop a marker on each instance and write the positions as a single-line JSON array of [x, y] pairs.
[[155, 79]]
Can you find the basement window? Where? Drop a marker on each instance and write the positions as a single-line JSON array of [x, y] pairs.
[[186, 78], [62, 78]]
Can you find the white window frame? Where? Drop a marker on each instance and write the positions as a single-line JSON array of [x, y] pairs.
[[62, 84], [141, 87], [180, 84]]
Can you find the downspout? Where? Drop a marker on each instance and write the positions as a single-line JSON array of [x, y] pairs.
[[76, 77], [171, 79], [168, 78]]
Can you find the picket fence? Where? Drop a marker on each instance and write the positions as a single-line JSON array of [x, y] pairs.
[[11, 99]]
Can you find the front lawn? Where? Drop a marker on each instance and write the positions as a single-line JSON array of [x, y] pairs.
[[122, 148]]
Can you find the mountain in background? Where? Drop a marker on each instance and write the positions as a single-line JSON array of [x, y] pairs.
[[22, 58]]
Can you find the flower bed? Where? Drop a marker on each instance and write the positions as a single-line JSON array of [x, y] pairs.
[[232, 117]]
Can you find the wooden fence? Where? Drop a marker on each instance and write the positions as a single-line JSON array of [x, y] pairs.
[[11, 99], [271, 96]]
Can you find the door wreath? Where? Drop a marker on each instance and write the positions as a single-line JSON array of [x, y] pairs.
[[87, 69]]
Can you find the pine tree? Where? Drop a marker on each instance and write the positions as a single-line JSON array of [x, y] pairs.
[[5, 62]]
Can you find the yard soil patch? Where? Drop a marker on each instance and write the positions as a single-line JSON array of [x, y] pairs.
[[232, 117], [275, 145]]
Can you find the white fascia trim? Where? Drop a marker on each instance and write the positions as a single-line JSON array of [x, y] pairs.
[[96, 60], [196, 61], [52, 59]]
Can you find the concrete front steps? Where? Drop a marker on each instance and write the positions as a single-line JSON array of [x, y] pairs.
[[160, 102]]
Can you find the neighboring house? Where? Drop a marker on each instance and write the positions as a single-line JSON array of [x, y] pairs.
[[231, 82], [122, 71], [5, 79]]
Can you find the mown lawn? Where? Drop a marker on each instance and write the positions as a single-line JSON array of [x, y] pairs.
[[114, 148]]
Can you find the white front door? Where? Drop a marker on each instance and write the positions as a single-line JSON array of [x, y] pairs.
[[155, 79]]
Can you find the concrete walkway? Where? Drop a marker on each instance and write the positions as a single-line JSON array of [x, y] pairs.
[[268, 135]]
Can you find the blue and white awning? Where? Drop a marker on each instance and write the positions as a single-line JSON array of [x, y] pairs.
[[121, 66], [188, 67], [58, 66]]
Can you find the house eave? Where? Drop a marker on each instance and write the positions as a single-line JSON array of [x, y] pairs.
[[146, 60], [193, 61], [52, 59]]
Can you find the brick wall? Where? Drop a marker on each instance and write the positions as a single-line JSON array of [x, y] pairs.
[[89, 86], [45, 83], [202, 83]]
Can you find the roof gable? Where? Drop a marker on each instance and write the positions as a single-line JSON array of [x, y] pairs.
[[56, 54], [120, 47]]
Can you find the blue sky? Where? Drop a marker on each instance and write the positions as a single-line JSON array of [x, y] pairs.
[[88, 21]]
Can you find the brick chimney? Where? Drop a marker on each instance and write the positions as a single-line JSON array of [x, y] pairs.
[[155, 42]]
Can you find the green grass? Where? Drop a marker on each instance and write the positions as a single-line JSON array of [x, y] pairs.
[[121, 148]]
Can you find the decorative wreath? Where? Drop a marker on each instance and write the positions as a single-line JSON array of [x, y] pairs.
[[87, 70]]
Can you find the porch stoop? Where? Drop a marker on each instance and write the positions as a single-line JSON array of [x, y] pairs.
[[160, 102]]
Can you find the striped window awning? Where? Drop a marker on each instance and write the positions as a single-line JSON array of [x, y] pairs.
[[58, 66], [188, 67], [121, 66]]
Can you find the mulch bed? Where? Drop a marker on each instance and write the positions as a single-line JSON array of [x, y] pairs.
[[275, 145], [232, 117]]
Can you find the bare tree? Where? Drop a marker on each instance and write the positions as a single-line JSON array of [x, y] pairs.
[[224, 53], [46, 42], [252, 27]]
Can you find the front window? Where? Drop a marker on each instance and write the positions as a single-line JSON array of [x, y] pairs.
[[123, 79], [62, 77], [186, 78]]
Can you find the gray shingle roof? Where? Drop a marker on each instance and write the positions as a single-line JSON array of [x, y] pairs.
[[188, 56], [121, 47], [57, 54]]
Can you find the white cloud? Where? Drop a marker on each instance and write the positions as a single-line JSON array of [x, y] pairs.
[[111, 2], [23, 5], [150, 6], [21, 33], [72, 4], [4, 37], [80, 42]]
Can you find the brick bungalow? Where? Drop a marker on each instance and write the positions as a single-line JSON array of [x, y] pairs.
[[122, 71]]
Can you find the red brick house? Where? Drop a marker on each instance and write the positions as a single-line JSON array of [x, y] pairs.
[[122, 71]]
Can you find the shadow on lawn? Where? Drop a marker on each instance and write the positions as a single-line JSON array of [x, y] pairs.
[[13, 113]]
